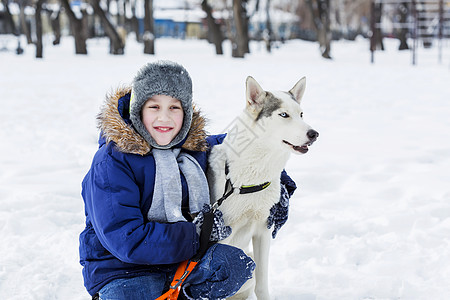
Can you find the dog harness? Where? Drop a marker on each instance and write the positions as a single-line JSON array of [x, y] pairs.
[[244, 189]]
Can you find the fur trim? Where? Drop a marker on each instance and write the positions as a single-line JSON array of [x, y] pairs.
[[128, 140]]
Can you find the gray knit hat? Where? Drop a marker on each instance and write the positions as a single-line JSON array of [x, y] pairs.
[[161, 78]]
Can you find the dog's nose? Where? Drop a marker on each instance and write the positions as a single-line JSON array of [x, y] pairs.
[[312, 135]]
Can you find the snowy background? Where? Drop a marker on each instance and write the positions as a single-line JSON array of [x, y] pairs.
[[371, 217]]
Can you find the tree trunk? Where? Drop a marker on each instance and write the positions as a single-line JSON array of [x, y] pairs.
[[117, 46], [10, 26], [377, 35], [77, 29], [320, 11], [56, 25], [134, 21], [38, 18], [25, 29], [149, 32], [403, 12], [119, 18], [239, 49], [245, 20], [214, 31], [268, 34], [324, 12]]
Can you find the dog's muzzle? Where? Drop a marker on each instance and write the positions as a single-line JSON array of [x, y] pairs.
[[312, 136]]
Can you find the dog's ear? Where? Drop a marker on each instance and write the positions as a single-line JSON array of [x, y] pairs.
[[299, 89], [255, 95]]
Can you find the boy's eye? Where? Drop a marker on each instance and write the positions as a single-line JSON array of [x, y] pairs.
[[284, 115], [175, 107]]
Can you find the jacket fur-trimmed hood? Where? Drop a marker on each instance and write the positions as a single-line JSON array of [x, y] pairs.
[[115, 129]]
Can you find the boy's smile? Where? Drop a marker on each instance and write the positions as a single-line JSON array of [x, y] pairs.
[[162, 116], [163, 129]]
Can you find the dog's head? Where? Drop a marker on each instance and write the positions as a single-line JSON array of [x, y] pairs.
[[281, 116]]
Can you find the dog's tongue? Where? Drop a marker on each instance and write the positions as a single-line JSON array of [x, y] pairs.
[[302, 149]]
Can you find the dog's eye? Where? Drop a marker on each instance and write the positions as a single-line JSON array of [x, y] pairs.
[[284, 115], [301, 115]]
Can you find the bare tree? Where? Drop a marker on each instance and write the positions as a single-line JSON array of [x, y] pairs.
[[403, 12], [10, 26], [240, 46], [134, 20], [215, 33], [24, 28], [77, 29], [245, 21], [121, 15], [320, 10], [38, 18], [268, 32], [149, 31], [54, 17], [116, 45], [376, 39]]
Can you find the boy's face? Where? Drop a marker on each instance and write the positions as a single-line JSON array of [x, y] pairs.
[[162, 116]]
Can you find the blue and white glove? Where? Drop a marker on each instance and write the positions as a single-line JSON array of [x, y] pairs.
[[279, 212], [219, 230]]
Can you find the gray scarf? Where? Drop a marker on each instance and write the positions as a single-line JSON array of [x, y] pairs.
[[167, 194]]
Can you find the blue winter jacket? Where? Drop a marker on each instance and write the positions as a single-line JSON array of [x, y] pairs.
[[118, 240]]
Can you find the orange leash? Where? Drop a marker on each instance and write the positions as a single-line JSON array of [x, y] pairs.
[[184, 269]]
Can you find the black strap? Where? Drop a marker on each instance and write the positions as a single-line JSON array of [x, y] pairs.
[[205, 234], [228, 191], [253, 188], [243, 189]]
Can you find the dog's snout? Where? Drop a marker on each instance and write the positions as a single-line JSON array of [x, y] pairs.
[[312, 135]]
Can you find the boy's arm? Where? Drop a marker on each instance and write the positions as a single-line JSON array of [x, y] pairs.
[[216, 139], [113, 203]]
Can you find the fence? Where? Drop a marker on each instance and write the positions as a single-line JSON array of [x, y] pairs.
[[426, 20]]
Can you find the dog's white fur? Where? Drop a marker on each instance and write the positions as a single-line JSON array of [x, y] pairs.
[[256, 152]]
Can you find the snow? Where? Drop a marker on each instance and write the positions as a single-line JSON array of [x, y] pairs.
[[371, 217]]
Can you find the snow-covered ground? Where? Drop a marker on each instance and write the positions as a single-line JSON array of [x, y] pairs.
[[371, 217]]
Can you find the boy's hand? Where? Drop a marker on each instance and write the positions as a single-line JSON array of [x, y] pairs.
[[219, 230], [279, 212]]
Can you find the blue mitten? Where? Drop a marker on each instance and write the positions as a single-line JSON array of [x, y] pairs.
[[219, 274], [219, 230], [279, 212]]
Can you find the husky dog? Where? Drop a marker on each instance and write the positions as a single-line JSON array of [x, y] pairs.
[[253, 155]]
